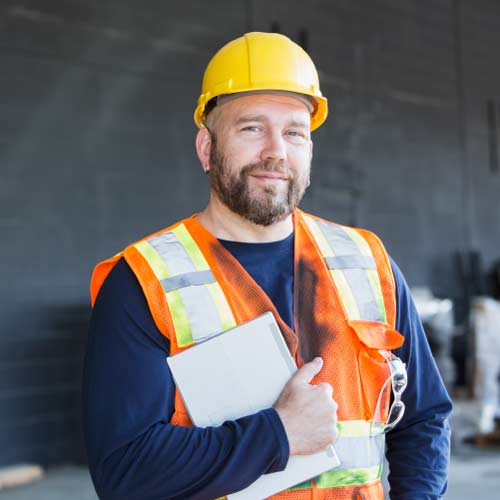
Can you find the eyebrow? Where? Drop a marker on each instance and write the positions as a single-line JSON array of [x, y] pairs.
[[250, 118], [263, 118]]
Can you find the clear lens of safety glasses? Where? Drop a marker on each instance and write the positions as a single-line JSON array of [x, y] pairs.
[[398, 380]]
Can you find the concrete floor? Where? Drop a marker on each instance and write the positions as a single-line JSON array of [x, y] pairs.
[[61, 483], [474, 474]]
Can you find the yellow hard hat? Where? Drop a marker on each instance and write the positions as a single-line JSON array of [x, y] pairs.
[[262, 61]]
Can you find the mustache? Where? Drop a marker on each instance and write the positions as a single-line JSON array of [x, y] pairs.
[[266, 166]]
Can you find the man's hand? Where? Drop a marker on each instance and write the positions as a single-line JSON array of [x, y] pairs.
[[308, 412]]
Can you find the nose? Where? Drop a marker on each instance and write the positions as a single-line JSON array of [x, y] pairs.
[[274, 148]]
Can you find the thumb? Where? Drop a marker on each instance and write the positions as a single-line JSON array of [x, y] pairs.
[[309, 370]]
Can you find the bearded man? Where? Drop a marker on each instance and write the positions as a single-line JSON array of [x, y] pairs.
[[342, 306]]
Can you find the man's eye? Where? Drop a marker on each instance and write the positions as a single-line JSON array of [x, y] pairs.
[[297, 135], [251, 128]]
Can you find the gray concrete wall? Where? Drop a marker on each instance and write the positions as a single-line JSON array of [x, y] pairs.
[[96, 150]]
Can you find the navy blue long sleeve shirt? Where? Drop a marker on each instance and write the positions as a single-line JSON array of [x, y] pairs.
[[134, 452]]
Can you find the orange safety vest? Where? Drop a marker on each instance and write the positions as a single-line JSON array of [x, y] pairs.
[[344, 311]]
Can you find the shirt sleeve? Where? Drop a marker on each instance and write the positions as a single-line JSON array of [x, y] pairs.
[[133, 451], [418, 448]]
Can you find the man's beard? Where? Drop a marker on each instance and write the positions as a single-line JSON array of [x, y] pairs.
[[264, 205]]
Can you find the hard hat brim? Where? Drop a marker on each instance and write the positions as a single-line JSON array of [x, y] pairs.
[[318, 115]]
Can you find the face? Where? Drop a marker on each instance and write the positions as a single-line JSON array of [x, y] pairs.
[[260, 155]]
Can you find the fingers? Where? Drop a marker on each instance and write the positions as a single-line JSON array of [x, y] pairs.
[[308, 411], [326, 388], [309, 370]]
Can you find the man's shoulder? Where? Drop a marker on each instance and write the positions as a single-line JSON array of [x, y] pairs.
[[367, 234], [129, 253], [308, 215], [160, 232]]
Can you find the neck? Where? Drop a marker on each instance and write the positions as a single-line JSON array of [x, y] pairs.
[[227, 225]]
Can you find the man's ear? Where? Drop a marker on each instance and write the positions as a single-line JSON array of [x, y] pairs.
[[311, 147], [203, 148]]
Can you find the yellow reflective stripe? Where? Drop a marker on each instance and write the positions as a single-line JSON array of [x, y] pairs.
[[186, 240], [346, 295], [220, 301], [349, 477], [223, 310], [179, 313], [377, 292], [154, 260], [353, 428], [321, 241], [179, 318], [360, 242], [177, 310], [373, 276]]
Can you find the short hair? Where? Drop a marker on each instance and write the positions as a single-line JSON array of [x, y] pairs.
[[211, 114]]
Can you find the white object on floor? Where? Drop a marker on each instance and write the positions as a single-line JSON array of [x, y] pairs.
[[19, 474]]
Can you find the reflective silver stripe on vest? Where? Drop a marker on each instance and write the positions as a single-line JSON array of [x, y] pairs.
[[172, 253], [357, 279], [360, 452], [201, 311], [351, 262], [188, 279]]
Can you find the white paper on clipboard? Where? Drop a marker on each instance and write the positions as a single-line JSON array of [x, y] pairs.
[[238, 373]]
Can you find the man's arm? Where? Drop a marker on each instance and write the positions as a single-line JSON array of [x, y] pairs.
[[418, 448], [128, 396]]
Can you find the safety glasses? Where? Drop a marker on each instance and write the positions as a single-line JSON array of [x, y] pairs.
[[399, 380]]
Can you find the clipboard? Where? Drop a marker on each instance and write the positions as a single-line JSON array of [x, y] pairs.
[[238, 373]]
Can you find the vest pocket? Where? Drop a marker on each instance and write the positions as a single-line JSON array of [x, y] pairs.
[[377, 335], [374, 371]]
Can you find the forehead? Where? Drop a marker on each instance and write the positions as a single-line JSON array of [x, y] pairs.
[[265, 107]]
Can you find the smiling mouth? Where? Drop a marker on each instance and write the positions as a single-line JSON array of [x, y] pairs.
[[270, 176]]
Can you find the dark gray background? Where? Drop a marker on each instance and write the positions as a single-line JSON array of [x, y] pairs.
[[96, 150]]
